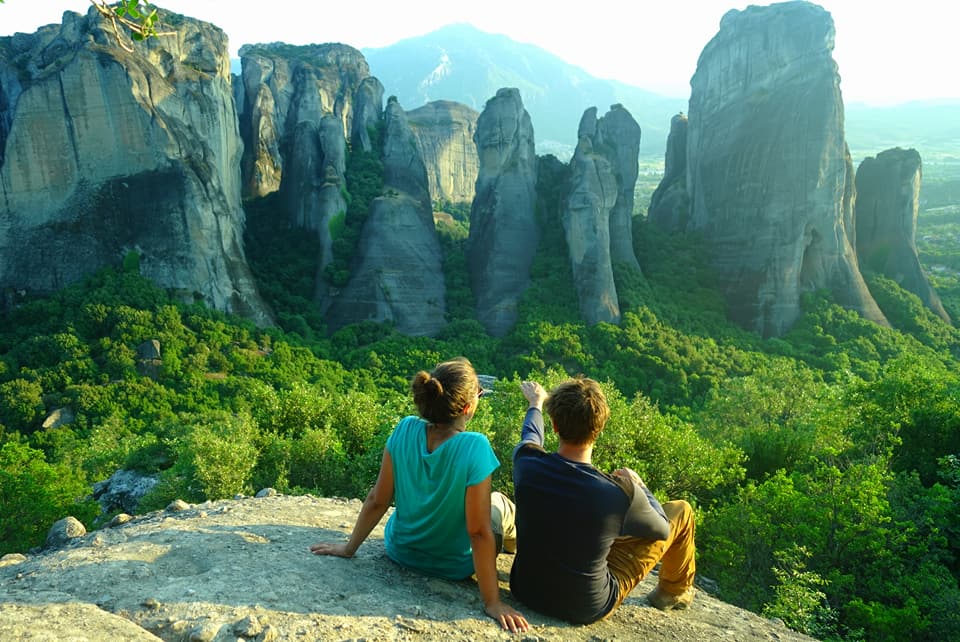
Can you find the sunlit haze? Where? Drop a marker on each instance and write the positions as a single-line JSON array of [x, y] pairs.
[[888, 51]]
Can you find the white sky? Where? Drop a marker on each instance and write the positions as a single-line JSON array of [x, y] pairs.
[[888, 51]]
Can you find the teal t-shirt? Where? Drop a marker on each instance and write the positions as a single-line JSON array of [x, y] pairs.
[[427, 530]]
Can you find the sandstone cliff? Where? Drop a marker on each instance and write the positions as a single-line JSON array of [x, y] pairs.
[[301, 106], [597, 214], [444, 131], [397, 274], [368, 112], [769, 175], [669, 205], [888, 194], [105, 152], [313, 186], [239, 569], [284, 85], [504, 233]]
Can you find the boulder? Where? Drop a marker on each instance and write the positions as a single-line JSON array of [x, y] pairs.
[[244, 571], [504, 232], [123, 490], [149, 350], [770, 179], [888, 196], [64, 531], [59, 417]]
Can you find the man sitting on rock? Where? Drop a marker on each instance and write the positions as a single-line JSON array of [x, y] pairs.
[[585, 539]]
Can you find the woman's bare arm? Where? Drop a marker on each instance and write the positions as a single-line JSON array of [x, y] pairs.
[[374, 506]]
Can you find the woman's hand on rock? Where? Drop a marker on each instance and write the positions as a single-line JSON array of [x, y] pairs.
[[330, 548], [507, 617]]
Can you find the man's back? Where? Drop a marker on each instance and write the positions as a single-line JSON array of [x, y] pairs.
[[568, 514], [585, 538]]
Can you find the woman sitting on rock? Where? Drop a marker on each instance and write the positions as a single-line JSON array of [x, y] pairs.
[[438, 475]]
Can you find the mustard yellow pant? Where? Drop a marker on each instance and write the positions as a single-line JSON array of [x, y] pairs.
[[631, 558]]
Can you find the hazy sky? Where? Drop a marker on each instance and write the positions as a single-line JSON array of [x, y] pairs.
[[888, 51]]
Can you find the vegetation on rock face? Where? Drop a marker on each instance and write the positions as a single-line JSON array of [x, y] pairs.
[[364, 179], [823, 464]]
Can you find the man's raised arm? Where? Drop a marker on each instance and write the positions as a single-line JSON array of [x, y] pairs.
[[532, 431]]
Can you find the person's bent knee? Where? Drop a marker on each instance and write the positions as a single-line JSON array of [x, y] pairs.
[[678, 507]]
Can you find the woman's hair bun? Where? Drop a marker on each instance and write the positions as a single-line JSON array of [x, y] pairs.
[[426, 384]]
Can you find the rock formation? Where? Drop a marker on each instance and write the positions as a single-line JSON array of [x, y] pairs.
[[104, 152], [123, 490], [368, 112], [669, 206], [597, 214], [444, 131], [503, 228], [285, 85], [230, 569], [888, 194], [397, 274], [769, 175], [313, 186], [617, 136]]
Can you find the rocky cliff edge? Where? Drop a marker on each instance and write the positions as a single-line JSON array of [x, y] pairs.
[[240, 570]]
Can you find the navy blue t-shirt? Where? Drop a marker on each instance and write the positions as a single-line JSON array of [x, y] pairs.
[[568, 515]]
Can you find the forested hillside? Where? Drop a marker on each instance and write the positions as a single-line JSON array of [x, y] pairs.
[[824, 465]]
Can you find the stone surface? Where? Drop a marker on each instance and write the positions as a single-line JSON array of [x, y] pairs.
[[669, 205], [396, 274], [888, 197], [444, 131], [769, 175], [504, 233], [104, 152], [246, 567], [597, 214]]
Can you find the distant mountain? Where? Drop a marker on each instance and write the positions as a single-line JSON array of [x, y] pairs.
[[461, 63]]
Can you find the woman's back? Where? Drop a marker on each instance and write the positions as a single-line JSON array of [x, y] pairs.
[[426, 531]]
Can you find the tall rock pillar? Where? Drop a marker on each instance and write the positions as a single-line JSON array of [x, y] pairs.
[[769, 175], [597, 214], [503, 227], [888, 196]]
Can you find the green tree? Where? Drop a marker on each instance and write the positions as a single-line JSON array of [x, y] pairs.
[[34, 494], [798, 598], [21, 404]]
